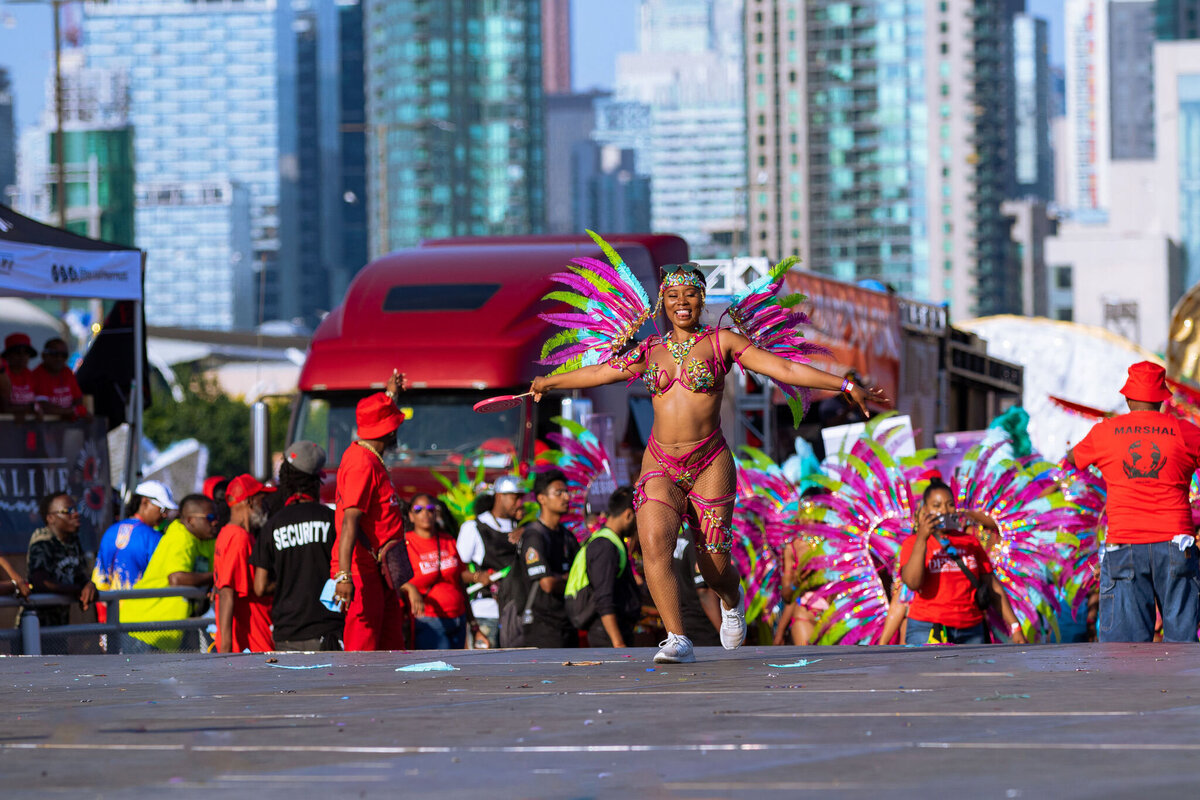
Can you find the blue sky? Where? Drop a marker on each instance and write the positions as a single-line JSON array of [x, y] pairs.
[[600, 30]]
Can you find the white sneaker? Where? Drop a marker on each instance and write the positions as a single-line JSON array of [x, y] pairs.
[[675, 650], [733, 623]]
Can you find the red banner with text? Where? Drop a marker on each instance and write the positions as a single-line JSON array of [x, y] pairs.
[[860, 326]]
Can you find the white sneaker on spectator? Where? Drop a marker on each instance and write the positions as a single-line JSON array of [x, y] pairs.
[[675, 650], [733, 622]]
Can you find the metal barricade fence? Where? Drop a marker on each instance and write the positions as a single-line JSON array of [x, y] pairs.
[[27, 637]]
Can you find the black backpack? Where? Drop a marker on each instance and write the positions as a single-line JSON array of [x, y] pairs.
[[516, 596]]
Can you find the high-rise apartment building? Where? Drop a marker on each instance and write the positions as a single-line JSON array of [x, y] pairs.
[[1110, 95], [323, 235], [608, 193], [1131, 79], [8, 138], [1031, 162], [1087, 140], [204, 105], [454, 119], [556, 46], [1177, 19], [687, 73], [1177, 184], [98, 161], [878, 147], [570, 121]]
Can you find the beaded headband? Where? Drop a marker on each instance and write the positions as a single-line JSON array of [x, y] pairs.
[[682, 277]]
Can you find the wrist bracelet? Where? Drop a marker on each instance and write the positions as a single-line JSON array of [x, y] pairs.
[[847, 385]]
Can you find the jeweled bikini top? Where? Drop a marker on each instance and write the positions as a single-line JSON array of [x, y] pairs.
[[702, 376]]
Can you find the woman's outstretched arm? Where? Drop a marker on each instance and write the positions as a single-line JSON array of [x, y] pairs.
[[794, 374], [582, 378]]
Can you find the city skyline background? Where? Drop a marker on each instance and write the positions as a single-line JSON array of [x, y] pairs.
[[600, 29]]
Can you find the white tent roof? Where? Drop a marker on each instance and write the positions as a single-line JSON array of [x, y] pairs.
[[1075, 362]]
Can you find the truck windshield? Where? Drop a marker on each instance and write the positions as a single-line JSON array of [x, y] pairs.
[[439, 429]]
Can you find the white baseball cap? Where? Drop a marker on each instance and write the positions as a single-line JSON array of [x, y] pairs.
[[507, 484], [158, 493]]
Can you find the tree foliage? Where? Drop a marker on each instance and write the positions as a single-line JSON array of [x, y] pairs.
[[213, 418]]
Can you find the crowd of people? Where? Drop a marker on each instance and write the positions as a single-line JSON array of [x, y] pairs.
[[47, 390]]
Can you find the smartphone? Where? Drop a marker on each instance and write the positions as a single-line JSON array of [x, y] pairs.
[[954, 521]]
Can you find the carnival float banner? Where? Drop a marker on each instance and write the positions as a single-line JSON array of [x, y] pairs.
[[860, 327], [41, 457]]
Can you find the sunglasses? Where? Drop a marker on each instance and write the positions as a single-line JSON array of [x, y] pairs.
[[66, 512], [48, 353], [419, 509], [206, 517]]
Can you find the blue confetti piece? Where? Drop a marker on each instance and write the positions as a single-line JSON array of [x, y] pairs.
[[804, 662], [287, 666], [428, 666]]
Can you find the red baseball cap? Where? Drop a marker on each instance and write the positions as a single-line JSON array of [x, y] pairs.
[[243, 487], [376, 416], [1147, 382], [19, 340], [210, 485]]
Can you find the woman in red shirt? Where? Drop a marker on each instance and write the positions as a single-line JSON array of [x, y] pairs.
[[439, 602], [944, 610]]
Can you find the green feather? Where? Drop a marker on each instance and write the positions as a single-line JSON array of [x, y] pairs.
[[790, 301], [602, 286], [783, 266], [574, 427], [558, 340], [796, 404], [614, 258], [570, 298]]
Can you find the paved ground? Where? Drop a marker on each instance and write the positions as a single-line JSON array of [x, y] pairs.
[[1084, 721]]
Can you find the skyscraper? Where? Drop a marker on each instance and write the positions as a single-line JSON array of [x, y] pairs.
[[1087, 139], [556, 46], [1032, 163], [323, 200], [454, 119], [8, 138], [204, 104], [1110, 96], [1131, 79], [1177, 19], [877, 146], [687, 73], [570, 120]]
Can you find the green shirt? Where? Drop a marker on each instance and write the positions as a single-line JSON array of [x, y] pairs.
[[178, 551]]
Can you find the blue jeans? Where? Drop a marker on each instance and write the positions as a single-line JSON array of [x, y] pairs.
[[441, 633], [918, 632], [1133, 577]]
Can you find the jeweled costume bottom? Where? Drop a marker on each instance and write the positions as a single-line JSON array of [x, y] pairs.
[[692, 475]]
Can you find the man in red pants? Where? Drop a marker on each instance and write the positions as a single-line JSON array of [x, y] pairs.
[[368, 520]]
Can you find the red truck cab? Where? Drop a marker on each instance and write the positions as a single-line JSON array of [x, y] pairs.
[[460, 319]]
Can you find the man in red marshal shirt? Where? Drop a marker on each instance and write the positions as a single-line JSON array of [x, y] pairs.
[[1150, 557], [368, 521], [243, 618]]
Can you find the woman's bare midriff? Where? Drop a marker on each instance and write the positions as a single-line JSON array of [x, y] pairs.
[[682, 417]]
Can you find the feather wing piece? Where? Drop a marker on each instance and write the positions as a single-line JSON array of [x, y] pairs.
[[584, 461], [609, 306], [771, 323]]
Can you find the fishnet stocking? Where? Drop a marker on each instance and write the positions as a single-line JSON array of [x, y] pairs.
[[707, 503]]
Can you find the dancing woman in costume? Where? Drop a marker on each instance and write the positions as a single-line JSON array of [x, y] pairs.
[[688, 470]]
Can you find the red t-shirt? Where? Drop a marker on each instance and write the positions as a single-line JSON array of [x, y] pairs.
[[947, 596], [363, 483], [60, 390], [1147, 459], [251, 613], [23, 393], [437, 574]]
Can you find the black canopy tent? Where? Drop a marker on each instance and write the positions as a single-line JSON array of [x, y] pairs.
[[40, 261]]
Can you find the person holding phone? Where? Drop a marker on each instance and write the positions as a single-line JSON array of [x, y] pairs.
[[945, 567]]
